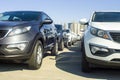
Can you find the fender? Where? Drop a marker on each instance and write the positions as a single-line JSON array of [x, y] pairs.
[[40, 37]]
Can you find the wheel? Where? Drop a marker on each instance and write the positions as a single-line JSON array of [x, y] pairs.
[[66, 44], [81, 47], [72, 43], [69, 43], [36, 58], [54, 50], [85, 66], [61, 46]]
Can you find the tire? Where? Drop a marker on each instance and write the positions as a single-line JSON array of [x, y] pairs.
[[61, 45], [72, 43], [66, 45], [85, 66], [54, 50], [36, 58], [81, 47], [69, 43]]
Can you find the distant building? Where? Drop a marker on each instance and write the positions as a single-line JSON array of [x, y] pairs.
[[74, 27], [65, 26]]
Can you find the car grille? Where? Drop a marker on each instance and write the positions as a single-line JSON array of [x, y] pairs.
[[115, 36], [3, 33]]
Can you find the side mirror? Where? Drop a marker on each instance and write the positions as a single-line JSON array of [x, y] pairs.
[[84, 21], [47, 21]]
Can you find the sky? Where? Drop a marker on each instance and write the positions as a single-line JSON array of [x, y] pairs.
[[62, 11]]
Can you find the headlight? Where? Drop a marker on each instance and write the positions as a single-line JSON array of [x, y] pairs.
[[19, 30], [99, 33]]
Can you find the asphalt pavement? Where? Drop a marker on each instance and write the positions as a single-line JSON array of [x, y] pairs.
[[66, 66]]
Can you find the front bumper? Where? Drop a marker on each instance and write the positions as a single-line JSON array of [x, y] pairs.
[[103, 63], [17, 47], [14, 52]]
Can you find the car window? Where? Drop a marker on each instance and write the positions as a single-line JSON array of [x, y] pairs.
[[68, 31], [19, 16], [4, 18], [59, 28], [44, 16], [106, 17]]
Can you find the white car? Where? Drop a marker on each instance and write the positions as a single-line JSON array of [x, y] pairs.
[[101, 41], [74, 37], [67, 37], [78, 37]]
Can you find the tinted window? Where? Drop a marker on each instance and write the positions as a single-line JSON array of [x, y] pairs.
[[59, 28], [44, 16], [68, 31], [106, 17], [19, 16]]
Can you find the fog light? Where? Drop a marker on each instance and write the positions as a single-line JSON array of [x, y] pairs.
[[94, 49], [18, 46]]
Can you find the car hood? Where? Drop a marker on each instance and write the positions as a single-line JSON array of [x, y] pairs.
[[10, 24], [110, 26]]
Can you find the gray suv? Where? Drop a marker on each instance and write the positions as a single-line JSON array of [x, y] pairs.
[[26, 35]]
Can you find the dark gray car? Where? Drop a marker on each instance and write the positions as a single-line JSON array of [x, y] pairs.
[[26, 36]]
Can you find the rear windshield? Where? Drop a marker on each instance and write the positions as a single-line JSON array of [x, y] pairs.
[[19, 16], [106, 17], [59, 28]]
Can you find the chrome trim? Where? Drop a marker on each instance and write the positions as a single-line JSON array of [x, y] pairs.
[[6, 33]]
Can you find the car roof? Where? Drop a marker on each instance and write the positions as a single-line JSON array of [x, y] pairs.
[[107, 11], [27, 11], [59, 24]]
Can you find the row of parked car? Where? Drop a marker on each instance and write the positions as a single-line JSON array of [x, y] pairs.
[[25, 36], [70, 37], [66, 37]]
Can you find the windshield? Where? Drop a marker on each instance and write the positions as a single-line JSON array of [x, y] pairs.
[[59, 28], [19, 16], [106, 17]]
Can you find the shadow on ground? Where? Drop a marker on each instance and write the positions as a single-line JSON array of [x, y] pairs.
[[13, 66], [70, 62]]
